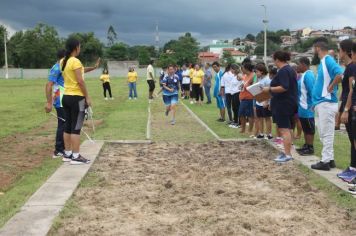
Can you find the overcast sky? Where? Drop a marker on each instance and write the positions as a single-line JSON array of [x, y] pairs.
[[134, 20]]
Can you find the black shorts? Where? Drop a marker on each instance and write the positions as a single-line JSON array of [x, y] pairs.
[[308, 125], [263, 112], [284, 121], [186, 87], [74, 110], [151, 85]]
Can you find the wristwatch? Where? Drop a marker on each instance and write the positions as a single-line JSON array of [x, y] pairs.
[[346, 110]]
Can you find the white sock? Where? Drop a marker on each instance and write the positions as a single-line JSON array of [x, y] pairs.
[[75, 155], [352, 168], [68, 153], [288, 156]]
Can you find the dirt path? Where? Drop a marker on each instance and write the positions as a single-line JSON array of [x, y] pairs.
[[186, 127], [200, 189]]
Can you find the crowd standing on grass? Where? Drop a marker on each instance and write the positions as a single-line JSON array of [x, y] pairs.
[[293, 97]]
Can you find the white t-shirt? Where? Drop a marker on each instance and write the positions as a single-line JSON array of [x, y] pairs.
[[231, 84], [186, 80], [150, 70]]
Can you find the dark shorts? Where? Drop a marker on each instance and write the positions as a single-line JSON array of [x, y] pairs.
[[170, 99], [246, 108], [186, 87], [284, 121], [74, 110], [262, 112], [308, 125], [151, 85]]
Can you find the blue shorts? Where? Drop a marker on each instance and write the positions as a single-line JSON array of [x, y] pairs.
[[220, 102], [246, 108], [170, 99]]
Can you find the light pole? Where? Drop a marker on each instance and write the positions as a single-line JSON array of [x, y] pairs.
[[6, 66], [265, 22]]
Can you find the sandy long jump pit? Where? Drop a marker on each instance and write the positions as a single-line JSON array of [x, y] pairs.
[[200, 189]]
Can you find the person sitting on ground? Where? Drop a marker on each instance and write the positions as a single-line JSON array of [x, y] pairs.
[[305, 106], [220, 100], [105, 78]]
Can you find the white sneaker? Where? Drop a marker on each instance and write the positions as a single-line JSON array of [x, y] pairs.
[[135, 98], [191, 102], [130, 98], [106, 99], [111, 98]]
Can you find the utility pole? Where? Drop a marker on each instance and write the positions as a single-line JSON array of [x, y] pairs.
[[6, 65], [265, 22], [157, 38]]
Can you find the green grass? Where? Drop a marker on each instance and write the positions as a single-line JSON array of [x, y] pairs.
[[17, 194], [22, 109]]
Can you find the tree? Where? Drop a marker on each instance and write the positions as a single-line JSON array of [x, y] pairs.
[[183, 50], [250, 37], [112, 36], [271, 48], [228, 58], [2, 49], [143, 56], [35, 48], [119, 51], [91, 47]]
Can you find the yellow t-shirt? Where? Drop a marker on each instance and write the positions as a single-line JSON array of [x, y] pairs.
[[71, 85], [132, 77], [198, 77], [105, 78]]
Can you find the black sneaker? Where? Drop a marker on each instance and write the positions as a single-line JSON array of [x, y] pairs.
[[269, 137], [305, 146], [321, 166], [260, 136], [229, 122], [58, 154], [332, 164], [220, 120], [306, 152], [79, 160]]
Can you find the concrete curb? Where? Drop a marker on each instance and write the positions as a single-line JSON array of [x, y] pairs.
[[36, 216], [148, 132]]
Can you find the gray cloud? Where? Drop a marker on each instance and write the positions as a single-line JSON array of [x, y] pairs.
[[134, 20]]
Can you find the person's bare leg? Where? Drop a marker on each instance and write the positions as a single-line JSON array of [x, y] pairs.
[[75, 142], [261, 125], [243, 124], [251, 122], [268, 125], [287, 140], [222, 113], [67, 142], [257, 126], [309, 139], [299, 129], [173, 109]]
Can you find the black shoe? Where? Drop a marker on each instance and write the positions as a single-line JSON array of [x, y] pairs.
[[306, 152], [260, 136], [229, 122], [305, 146], [79, 160], [332, 164], [58, 154], [321, 166], [220, 120]]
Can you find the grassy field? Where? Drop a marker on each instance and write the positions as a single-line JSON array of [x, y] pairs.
[[22, 108]]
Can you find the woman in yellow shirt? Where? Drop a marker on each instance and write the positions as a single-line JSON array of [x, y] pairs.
[[105, 78], [75, 100], [197, 84], [131, 80]]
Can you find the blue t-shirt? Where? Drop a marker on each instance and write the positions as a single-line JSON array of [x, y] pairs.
[[170, 82], [327, 71], [285, 103], [207, 77], [217, 86], [305, 92], [55, 76], [179, 74]]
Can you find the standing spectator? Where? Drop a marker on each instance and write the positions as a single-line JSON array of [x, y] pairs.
[[246, 99], [230, 89], [263, 114], [305, 106], [185, 81], [326, 103], [132, 80], [348, 114], [220, 99], [180, 77], [197, 84], [151, 80], [54, 94], [284, 102], [105, 78], [207, 82]]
